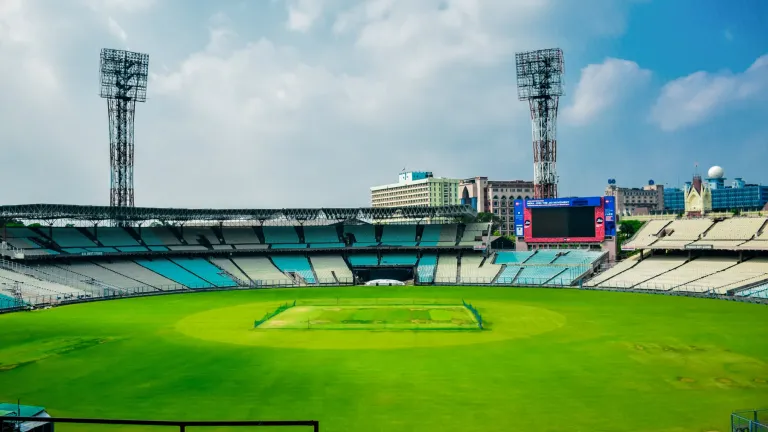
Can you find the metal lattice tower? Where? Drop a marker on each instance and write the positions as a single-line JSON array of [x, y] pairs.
[[123, 83], [540, 82]]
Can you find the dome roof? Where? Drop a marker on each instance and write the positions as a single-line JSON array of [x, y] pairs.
[[715, 172]]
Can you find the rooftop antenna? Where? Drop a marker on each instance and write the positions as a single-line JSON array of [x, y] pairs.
[[123, 83], [540, 82]]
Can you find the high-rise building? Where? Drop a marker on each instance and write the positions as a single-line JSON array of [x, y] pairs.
[[495, 196], [632, 201], [416, 188]]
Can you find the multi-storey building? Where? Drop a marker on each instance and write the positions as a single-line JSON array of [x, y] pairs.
[[495, 196], [738, 196], [631, 201], [417, 188]]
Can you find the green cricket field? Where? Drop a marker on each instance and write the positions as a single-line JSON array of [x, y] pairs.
[[395, 359]]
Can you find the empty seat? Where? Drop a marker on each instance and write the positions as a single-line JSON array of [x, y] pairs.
[[280, 234], [113, 236], [447, 268], [398, 235], [398, 259], [240, 235], [261, 270], [71, 237], [331, 268], [511, 257], [472, 272], [295, 264], [539, 274], [193, 235], [321, 234], [157, 236], [363, 260], [206, 271], [365, 234], [139, 273], [426, 268], [174, 272], [542, 256]]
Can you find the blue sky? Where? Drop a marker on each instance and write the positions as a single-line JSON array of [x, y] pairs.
[[287, 103]]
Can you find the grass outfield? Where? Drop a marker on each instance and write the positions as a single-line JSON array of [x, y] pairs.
[[373, 317], [549, 360]]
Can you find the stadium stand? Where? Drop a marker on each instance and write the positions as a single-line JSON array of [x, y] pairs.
[[541, 275], [206, 271], [577, 256], [193, 234], [132, 249], [682, 232], [473, 272], [136, 272], [331, 268], [398, 235], [512, 257], [647, 234], [326, 245], [289, 246], [508, 275], [473, 234], [158, 236], [102, 274], [251, 246], [399, 258], [759, 292], [295, 264], [260, 269], [70, 237], [321, 234], [448, 233], [687, 273], [228, 266], [737, 228], [426, 268], [364, 235], [745, 273], [158, 248], [172, 271], [542, 256], [109, 236], [240, 235], [34, 287], [363, 260], [430, 236], [221, 247], [280, 234], [646, 269], [447, 268], [613, 271], [22, 238]]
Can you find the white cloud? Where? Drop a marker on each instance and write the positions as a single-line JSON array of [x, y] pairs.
[[302, 14], [601, 86], [701, 95], [116, 30]]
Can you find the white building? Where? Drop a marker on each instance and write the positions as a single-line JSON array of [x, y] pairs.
[[416, 188]]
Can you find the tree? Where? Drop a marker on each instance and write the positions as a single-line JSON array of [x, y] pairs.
[[485, 217], [628, 228]]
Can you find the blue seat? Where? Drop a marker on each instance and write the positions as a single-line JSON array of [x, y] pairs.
[[109, 236], [507, 276], [577, 257], [431, 233], [131, 248], [362, 233], [511, 257], [280, 234], [206, 271], [427, 243], [398, 235], [174, 272], [426, 268], [295, 264], [70, 237], [158, 248], [288, 246], [542, 257], [320, 234], [538, 274]]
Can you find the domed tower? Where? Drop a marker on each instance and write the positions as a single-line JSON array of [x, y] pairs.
[[715, 177]]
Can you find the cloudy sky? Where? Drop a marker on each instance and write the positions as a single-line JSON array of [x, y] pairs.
[[289, 103]]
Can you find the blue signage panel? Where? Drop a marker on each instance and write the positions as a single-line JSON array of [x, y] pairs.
[[610, 216], [518, 217]]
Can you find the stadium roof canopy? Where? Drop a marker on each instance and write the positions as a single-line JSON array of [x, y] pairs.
[[52, 212]]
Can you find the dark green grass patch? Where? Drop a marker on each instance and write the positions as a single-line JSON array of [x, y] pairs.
[[549, 360]]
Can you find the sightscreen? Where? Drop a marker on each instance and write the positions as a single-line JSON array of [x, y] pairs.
[[563, 222]]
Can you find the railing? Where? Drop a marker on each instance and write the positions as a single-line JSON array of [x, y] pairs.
[[13, 422], [750, 421], [7, 250]]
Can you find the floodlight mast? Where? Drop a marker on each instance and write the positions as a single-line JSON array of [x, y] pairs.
[[123, 83], [540, 82]]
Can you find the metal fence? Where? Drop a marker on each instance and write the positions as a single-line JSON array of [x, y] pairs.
[[750, 421], [14, 424]]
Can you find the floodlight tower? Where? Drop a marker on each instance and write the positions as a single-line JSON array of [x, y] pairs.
[[540, 82], [123, 83]]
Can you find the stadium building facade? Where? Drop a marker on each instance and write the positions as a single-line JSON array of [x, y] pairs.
[[738, 196], [495, 196], [416, 188], [632, 201]]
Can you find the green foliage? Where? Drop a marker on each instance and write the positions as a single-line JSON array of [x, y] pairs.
[[35, 225], [485, 217], [475, 313], [10, 223], [613, 362], [628, 228]]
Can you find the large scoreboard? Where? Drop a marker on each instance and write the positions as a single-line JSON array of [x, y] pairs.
[[565, 220]]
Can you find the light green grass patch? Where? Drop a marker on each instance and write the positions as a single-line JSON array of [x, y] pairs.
[[373, 317]]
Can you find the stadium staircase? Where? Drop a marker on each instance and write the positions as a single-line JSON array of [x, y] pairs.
[[491, 259], [458, 268], [312, 266]]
